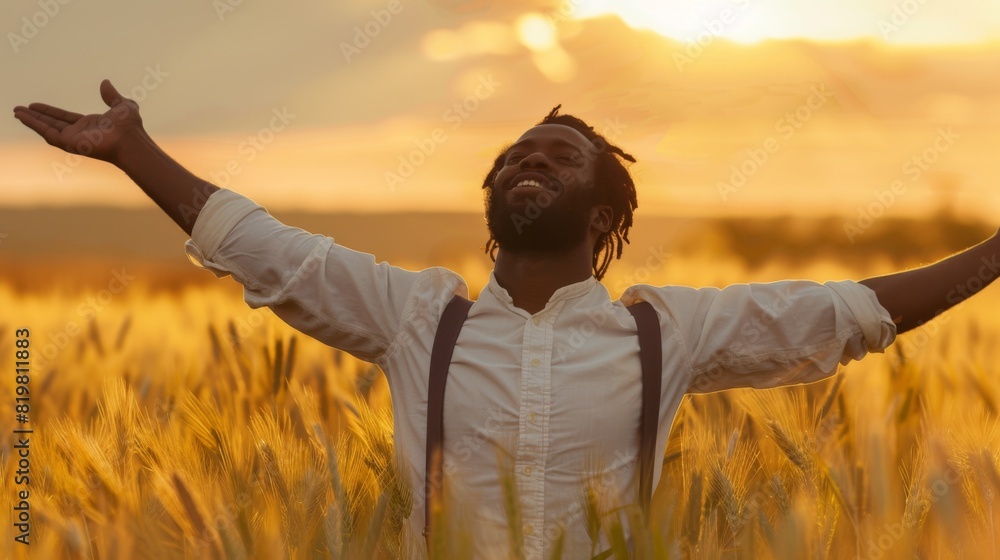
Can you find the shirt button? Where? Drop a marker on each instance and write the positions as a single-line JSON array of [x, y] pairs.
[[528, 530], [536, 321], [536, 362], [527, 470], [531, 417]]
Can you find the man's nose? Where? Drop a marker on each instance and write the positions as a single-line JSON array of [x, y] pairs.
[[535, 159]]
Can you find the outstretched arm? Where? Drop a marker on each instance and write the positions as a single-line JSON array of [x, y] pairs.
[[118, 137], [329, 292], [916, 296]]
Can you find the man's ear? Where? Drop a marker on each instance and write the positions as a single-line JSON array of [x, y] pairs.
[[600, 218]]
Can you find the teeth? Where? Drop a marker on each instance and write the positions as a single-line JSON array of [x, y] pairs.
[[529, 183]]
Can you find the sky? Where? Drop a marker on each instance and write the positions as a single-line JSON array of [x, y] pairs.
[[390, 105], [918, 22]]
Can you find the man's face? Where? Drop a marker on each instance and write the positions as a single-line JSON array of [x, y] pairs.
[[543, 195]]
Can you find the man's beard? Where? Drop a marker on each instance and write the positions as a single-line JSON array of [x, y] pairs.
[[553, 223]]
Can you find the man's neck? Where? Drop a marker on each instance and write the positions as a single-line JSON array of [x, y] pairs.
[[532, 277]]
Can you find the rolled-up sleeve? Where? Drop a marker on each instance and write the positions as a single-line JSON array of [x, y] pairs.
[[766, 335], [339, 296]]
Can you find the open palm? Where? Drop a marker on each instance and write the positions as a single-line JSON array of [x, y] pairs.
[[93, 135]]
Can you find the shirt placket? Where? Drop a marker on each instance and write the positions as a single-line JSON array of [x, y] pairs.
[[536, 362]]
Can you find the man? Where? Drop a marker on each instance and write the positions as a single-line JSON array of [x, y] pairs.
[[545, 375]]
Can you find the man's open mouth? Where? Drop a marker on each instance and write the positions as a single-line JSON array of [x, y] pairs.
[[529, 180]]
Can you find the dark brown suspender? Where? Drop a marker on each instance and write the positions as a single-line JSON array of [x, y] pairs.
[[444, 345], [650, 354]]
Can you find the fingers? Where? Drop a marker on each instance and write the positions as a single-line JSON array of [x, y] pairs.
[[51, 135], [109, 94], [56, 113], [47, 119]]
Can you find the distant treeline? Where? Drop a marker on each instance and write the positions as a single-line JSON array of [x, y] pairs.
[[757, 241], [49, 246]]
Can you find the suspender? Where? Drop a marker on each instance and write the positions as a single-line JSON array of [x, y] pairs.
[[444, 345], [650, 354]]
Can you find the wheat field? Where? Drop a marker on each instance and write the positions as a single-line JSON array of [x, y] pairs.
[[186, 425]]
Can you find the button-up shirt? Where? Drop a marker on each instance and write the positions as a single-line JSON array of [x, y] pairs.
[[553, 398]]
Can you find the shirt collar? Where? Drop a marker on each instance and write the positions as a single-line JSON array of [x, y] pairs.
[[564, 293]]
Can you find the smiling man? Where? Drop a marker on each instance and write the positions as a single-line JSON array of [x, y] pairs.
[[560, 409]]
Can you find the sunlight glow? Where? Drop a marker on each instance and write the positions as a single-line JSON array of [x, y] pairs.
[[752, 21], [536, 32], [476, 37], [441, 45], [555, 64]]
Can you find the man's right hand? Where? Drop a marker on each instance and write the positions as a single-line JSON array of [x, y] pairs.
[[118, 137], [96, 136]]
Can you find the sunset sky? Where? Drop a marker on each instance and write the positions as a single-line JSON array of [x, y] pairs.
[[730, 106]]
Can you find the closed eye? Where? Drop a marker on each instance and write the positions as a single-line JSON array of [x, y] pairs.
[[569, 159]]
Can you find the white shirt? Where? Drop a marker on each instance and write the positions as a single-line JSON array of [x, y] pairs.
[[559, 392]]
